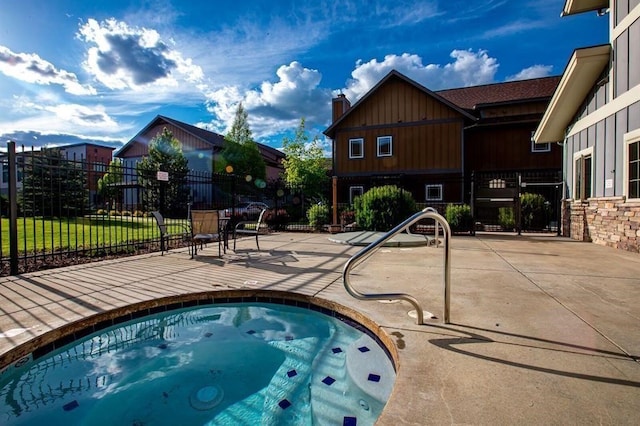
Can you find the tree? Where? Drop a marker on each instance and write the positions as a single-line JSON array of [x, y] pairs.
[[240, 154], [165, 154], [53, 185], [108, 183], [305, 165]]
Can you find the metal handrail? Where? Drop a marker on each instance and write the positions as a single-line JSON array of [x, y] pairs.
[[427, 213]]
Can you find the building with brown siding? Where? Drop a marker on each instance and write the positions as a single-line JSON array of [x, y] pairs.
[[432, 143], [201, 147]]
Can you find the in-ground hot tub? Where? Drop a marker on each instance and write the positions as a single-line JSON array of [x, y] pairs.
[[208, 358]]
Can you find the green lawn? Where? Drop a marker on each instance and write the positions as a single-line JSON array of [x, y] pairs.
[[83, 232]]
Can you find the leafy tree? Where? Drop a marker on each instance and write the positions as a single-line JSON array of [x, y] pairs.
[[165, 154], [107, 184], [305, 165], [53, 186], [240, 154]]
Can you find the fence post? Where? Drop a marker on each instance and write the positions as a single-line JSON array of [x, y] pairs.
[[472, 203], [518, 204], [13, 208]]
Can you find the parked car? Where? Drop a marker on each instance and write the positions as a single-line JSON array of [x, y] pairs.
[[248, 210]]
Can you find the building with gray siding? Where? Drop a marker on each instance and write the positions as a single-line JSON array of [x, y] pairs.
[[595, 115]]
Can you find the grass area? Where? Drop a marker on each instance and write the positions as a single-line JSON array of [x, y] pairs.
[[44, 234]]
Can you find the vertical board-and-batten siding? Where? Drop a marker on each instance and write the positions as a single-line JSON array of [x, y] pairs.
[[189, 142], [426, 133]]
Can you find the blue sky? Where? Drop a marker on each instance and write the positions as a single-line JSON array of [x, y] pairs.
[[99, 71]]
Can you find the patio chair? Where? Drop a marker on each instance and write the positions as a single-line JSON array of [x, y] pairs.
[[165, 235], [205, 228], [249, 227]]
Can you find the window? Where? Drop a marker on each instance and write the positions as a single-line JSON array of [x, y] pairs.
[[632, 161], [582, 174], [433, 192], [355, 191], [385, 146], [540, 147], [356, 148]]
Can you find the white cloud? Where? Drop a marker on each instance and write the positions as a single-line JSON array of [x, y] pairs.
[[31, 68], [535, 71], [125, 57], [469, 68], [273, 108]]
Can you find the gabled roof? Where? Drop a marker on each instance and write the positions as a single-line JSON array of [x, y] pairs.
[[501, 93], [211, 138], [579, 77], [395, 74], [573, 7], [215, 140]]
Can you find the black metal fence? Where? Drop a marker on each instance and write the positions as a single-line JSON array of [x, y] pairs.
[[56, 210]]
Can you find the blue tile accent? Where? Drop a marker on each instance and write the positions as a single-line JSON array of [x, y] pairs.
[[336, 350], [292, 373], [328, 380], [349, 421], [71, 405], [374, 377], [208, 334], [363, 349], [163, 346], [288, 338], [284, 404], [251, 332]]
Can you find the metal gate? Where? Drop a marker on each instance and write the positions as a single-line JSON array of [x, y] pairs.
[[516, 201]]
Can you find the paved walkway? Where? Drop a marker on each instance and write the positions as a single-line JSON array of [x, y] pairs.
[[544, 330]]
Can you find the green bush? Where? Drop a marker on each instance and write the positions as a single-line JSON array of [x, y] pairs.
[[382, 208], [534, 211], [506, 218], [459, 217], [318, 216]]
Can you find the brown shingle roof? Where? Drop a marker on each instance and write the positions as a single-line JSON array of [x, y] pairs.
[[511, 91]]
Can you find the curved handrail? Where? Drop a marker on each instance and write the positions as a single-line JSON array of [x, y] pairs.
[[427, 213]]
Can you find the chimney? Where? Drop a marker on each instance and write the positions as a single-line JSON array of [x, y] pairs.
[[339, 106]]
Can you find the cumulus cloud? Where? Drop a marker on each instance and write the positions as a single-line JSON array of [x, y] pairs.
[[468, 68], [125, 57], [274, 107], [31, 68], [535, 71]]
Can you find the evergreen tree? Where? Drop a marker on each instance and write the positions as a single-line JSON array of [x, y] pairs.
[[165, 154], [240, 151], [53, 186], [305, 165]]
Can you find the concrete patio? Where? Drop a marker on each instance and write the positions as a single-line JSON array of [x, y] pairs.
[[544, 330]]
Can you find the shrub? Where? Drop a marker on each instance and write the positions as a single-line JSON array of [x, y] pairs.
[[318, 215], [459, 217], [506, 218], [534, 211], [383, 207]]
